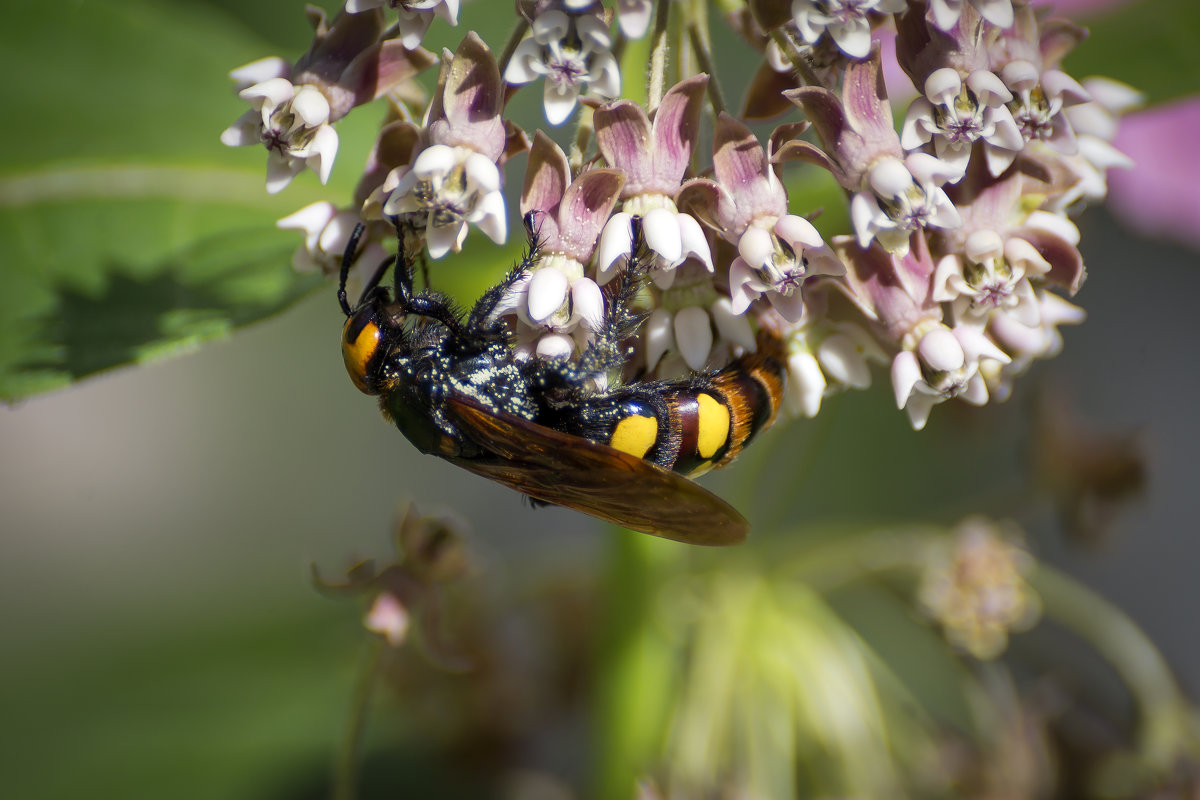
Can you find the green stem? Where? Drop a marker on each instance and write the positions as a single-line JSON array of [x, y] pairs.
[[636, 667], [350, 755], [1166, 725], [698, 35], [656, 84], [799, 63]]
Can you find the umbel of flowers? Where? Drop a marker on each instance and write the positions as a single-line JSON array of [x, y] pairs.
[[960, 262]]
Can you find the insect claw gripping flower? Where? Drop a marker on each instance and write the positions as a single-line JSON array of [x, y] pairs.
[[957, 269], [568, 216]]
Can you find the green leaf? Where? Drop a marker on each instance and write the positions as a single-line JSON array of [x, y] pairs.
[[127, 231], [1153, 45]]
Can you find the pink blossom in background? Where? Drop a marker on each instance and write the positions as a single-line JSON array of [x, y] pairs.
[[1161, 196]]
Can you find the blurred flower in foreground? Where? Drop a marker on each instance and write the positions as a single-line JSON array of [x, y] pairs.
[[976, 589], [407, 591]]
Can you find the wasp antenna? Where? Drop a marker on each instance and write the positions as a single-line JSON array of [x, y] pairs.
[[348, 261]]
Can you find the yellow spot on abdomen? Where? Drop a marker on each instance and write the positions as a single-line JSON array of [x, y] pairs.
[[635, 435], [357, 354], [712, 425]]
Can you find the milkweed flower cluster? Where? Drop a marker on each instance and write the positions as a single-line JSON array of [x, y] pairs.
[[955, 271]]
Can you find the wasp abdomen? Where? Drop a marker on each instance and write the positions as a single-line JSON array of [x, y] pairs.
[[689, 426]]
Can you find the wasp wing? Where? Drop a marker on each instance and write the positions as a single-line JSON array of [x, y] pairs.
[[570, 471]]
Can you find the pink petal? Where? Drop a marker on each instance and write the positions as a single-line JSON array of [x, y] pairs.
[[864, 98], [546, 177], [623, 135], [741, 167], [585, 207], [676, 128]]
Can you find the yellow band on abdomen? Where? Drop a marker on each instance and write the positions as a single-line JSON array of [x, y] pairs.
[[635, 435], [712, 425]]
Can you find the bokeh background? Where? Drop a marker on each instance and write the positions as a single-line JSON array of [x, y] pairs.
[[162, 637]]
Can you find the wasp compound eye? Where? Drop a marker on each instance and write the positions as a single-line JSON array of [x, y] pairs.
[[361, 340]]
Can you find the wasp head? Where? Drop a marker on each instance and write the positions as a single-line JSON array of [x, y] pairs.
[[370, 325]]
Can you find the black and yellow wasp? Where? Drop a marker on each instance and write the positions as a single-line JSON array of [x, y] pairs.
[[453, 386]]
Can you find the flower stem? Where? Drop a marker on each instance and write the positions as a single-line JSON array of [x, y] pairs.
[[799, 63], [350, 754], [698, 35], [1164, 715], [656, 84]]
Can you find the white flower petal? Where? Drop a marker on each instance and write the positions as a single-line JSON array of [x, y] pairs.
[[616, 241], [633, 16], [975, 392], [693, 336], [942, 86], [997, 12], [262, 70], [945, 12], [547, 292], [555, 346], [661, 230], [947, 279], [941, 350], [798, 232], [435, 160], [694, 242], [988, 88], [246, 131], [587, 301], [853, 38], [551, 26], [805, 385], [733, 328], [604, 75], [311, 106], [280, 171], [978, 347], [323, 149], [659, 335], [918, 408], [492, 218], [559, 101], [889, 178], [841, 359], [906, 373], [522, 68], [441, 239], [311, 219], [755, 246], [270, 93]]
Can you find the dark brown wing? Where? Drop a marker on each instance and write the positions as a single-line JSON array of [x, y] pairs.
[[614, 486]]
